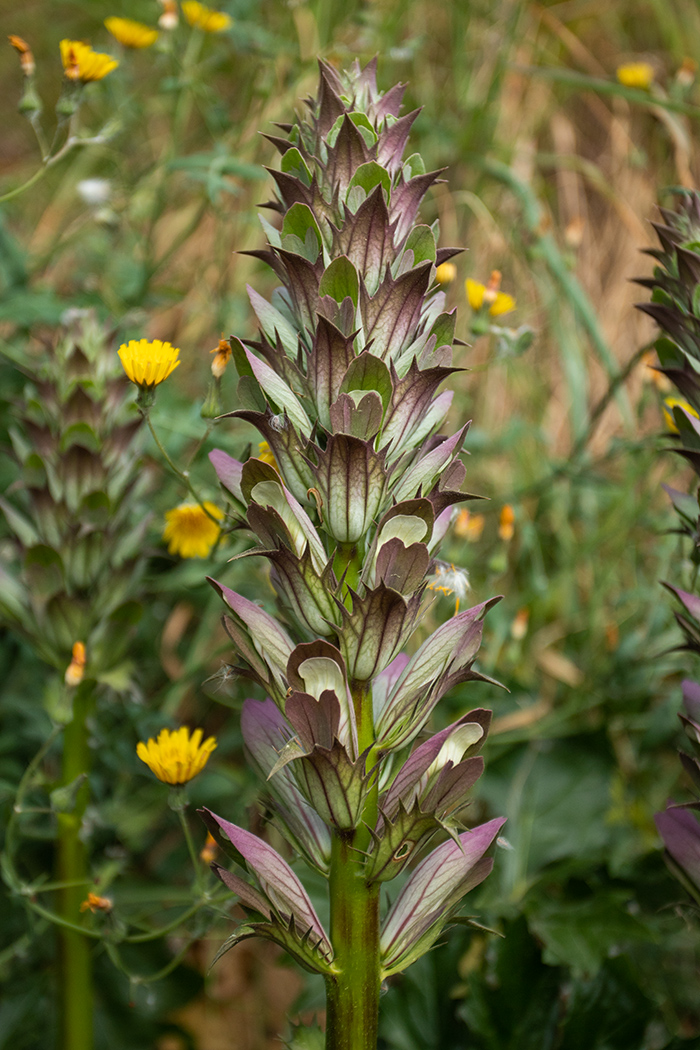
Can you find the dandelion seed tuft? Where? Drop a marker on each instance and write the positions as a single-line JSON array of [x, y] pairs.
[[176, 758]]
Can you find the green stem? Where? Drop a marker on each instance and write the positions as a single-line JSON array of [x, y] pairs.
[[182, 475], [75, 972], [352, 992]]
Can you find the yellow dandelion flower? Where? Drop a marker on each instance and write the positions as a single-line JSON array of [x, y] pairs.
[[81, 63], [223, 355], [635, 75], [676, 402], [200, 16], [148, 363], [446, 273], [94, 903], [176, 758], [469, 526], [480, 294], [506, 523], [189, 530], [266, 454], [76, 668], [475, 293], [131, 33], [502, 304]]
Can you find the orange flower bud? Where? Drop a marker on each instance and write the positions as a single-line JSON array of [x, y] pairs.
[[76, 668], [223, 355], [506, 526], [94, 903]]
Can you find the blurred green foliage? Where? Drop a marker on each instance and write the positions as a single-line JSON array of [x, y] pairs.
[[553, 171]]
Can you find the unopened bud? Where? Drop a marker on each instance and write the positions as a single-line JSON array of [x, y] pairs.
[[94, 903], [169, 19], [492, 287], [76, 668], [209, 850], [26, 58], [30, 101], [518, 628], [212, 406], [506, 524], [223, 355]]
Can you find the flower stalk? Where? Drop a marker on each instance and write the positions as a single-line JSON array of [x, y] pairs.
[[75, 970], [349, 497]]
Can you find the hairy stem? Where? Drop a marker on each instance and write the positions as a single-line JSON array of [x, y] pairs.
[[75, 973]]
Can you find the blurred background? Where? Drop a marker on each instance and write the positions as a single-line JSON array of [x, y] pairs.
[[554, 171]]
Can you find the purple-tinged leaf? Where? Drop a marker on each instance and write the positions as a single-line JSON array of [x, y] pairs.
[[228, 471], [393, 311], [277, 391], [680, 832], [302, 283], [308, 594], [285, 443], [346, 155], [366, 239], [335, 785], [367, 373], [374, 630], [315, 721], [315, 667], [330, 357], [437, 884], [273, 324], [690, 602], [406, 199], [351, 480], [691, 698], [384, 683], [271, 642], [277, 880], [410, 780], [249, 896], [411, 397], [422, 476], [402, 568], [330, 106], [392, 142], [362, 420], [389, 104]]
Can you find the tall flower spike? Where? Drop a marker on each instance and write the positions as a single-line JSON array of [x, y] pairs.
[[350, 494]]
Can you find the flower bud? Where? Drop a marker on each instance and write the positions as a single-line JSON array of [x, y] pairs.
[[76, 668]]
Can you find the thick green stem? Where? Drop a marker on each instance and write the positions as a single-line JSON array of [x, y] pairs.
[[75, 971], [352, 993]]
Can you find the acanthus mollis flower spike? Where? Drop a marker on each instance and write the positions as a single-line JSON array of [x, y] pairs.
[[438, 884], [290, 918]]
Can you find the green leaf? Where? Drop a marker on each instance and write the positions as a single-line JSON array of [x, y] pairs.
[[413, 165], [422, 243], [300, 227], [294, 164], [370, 175], [340, 280], [368, 373]]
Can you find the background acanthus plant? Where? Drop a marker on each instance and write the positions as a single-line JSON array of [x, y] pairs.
[[343, 384], [675, 306]]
